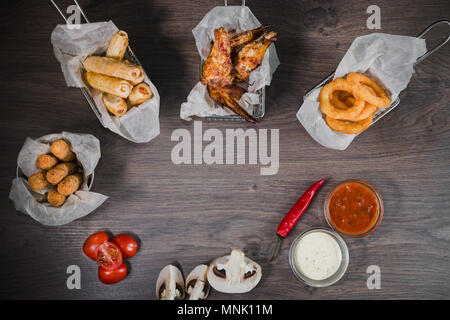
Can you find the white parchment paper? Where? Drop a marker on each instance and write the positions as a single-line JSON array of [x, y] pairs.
[[87, 150], [72, 44], [388, 59], [239, 18]]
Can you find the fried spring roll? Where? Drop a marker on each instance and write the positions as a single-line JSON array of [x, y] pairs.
[[61, 150], [118, 45], [116, 105], [37, 181], [62, 170], [114, 68], [140, 94], [70, 184], [118, 87], [46, 161], [55, 198]]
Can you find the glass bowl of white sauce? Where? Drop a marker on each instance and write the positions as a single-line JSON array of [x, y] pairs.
[[319, 257]]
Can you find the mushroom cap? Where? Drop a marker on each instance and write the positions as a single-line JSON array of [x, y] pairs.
[[197, 285], [170, 284], [234, 273]]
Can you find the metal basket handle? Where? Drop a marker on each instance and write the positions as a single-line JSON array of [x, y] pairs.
[[439, 45], [225, 2], [84, 90]]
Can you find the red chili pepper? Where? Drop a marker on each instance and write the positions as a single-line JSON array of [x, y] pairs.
[[298, 209]]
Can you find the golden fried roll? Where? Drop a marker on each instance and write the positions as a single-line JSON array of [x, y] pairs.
[[46, 161], [61, 150], [116, 105], [114, 68], [140, 94], [118, 87], [62, 170], [70, 184], [37, 181], [55, 198], [118, 45]]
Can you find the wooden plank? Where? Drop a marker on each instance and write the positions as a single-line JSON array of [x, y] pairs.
[[192, 213]]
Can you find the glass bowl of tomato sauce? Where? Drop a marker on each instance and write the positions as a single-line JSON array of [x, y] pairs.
[[354, 208]]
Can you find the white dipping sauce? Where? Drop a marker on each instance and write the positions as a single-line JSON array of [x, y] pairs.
[[317, 255]]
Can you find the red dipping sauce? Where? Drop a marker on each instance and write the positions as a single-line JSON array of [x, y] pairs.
[[354, 208]]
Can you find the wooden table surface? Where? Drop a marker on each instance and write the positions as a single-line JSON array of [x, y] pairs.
[[194, 213]]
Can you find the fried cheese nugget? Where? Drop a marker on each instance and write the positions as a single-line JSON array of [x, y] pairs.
[[115, 86], [46, 161], [118, 45], [114, 68], [37, 181], [116, 105], [62, 170], [70, 184], [61, 150], [55, 198], [140, 94]]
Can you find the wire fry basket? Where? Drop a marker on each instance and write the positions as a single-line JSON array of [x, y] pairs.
[[381, 113], [258, 109], [129, 55]]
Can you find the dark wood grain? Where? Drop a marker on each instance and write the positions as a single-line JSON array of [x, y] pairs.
[[191, 214]]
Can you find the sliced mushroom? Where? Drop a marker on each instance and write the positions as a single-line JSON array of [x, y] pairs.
[[234, 273], [197, 285], [170, 284]]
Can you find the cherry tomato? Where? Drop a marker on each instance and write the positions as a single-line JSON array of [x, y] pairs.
[[112, 276], [108, 256], [127, 245], [92, 242]]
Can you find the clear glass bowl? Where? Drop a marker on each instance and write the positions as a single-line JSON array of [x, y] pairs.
[[333, 278], [371, 228]]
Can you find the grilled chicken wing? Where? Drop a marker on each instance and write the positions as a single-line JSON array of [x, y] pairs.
[[251, 56], [243, 38], [229, 96], [217, 68]]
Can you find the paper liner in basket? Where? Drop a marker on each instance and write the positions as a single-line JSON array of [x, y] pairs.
[[239, 18], [72, 44], [388, 59], [87, 150]]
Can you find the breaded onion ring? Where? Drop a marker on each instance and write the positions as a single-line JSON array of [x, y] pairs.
[[334, 112], [380, 99], [342, 100], [347, 98], [349, 127], [368, 111]]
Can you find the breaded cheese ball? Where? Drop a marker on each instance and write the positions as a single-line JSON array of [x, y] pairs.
[[37, 181], [46, 161], [55, 198], [62, 170], [70, 184], [61, 150]]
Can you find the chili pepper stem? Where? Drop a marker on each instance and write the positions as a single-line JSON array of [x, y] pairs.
[[276, 250]]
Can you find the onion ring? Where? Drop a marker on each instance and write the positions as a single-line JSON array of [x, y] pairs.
[[346, 98], [334, 112], [349, 127], [339, 100], [362, 82], [368, 110]]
